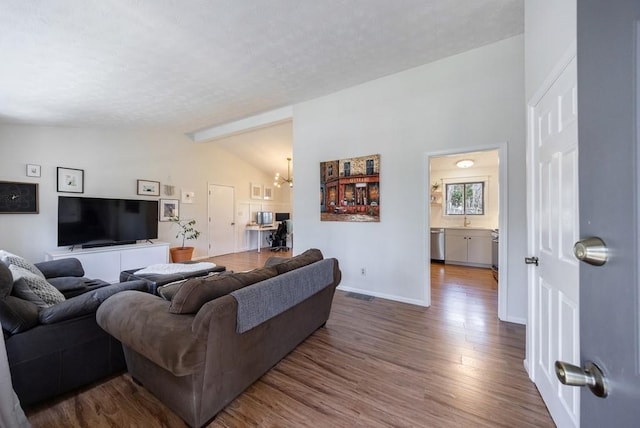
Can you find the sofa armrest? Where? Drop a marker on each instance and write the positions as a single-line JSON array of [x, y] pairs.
[[62, 267], [142, 322], [86, 303]]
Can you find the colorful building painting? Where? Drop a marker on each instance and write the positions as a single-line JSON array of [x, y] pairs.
[[350, 189]]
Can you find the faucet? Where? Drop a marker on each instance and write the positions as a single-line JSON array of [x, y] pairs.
[[467, 222]]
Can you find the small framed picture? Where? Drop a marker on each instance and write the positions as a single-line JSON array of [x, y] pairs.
[[268, 192], [70, 180], [33, 170], [169, 208], [256, 191], [148, 188], [188, 197]]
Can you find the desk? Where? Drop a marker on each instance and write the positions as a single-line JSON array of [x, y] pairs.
[[259, 230]]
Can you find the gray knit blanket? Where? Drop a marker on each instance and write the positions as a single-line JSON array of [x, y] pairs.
[[264, 300]]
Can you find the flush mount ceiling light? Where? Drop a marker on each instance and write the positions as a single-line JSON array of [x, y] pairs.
[[465, 163], [278, 180]]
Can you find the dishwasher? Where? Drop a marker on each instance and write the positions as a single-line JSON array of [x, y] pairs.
[[437, 244]]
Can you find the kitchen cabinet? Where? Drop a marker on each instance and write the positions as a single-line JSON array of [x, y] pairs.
[[468, 247]]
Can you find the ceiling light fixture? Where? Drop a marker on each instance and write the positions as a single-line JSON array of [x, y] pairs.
[[278, 180], [465, 163]]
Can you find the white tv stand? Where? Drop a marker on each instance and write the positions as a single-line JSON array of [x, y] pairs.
[[106, 263]]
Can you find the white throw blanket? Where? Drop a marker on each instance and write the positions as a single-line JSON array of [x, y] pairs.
[[170, 268]]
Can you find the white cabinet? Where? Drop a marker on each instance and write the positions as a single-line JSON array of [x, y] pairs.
[[468, 246], [106, 263]]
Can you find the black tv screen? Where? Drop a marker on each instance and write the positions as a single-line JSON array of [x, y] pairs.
[[93, 222]]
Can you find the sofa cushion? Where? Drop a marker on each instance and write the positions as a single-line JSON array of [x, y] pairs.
[[17, 315], [86, 303], [6, 281], [68, 283], [62, 267], [310, 256], [11, 259], [197, 291], [40, 287], [142, 322]]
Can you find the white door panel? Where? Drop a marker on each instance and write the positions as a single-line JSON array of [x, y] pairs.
[[554, 313], [222, 235]]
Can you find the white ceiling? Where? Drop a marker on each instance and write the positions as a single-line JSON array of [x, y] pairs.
[[194, 64]]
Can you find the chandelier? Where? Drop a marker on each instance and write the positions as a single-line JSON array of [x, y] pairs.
[[278, 180]]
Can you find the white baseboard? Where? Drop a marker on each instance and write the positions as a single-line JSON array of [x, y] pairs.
[[383, 296]]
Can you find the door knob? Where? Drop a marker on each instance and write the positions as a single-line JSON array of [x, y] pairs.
[[590, 376], [591, 250], [531, 260]]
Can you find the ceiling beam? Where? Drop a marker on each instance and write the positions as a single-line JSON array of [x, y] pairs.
[[251, 123]]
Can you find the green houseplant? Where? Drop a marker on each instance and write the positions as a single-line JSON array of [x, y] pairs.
[[186, 231]]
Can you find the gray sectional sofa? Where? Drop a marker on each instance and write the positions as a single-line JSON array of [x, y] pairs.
[[55, 346], [219, 334]]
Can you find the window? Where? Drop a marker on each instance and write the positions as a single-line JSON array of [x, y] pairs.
[[369, 166], [347, 169], [465, 198], [330, 170]]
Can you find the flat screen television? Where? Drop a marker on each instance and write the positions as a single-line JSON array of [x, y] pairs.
[[96, 222]]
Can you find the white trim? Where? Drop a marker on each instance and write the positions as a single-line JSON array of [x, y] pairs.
[[503, 286], [251, 123], [383, 295]]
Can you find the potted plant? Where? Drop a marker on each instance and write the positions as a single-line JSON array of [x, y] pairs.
[[186, 230]]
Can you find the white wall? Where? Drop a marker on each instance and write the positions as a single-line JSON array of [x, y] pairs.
[[549, 30], [468, 100], [112, 161]]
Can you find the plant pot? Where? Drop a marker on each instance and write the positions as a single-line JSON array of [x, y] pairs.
[[181, 254]]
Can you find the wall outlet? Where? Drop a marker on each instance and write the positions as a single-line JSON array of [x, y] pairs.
[[363, 272]]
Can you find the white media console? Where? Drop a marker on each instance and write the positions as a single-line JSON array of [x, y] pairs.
[[106, 263]]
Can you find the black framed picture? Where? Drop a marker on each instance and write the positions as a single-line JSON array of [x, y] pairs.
[[70, 180], [18, 198]]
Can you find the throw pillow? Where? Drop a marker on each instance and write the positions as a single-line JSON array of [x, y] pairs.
[[6, 281], [41, 288], [310, 256], [169, 290], [197, 291], [11, 259]]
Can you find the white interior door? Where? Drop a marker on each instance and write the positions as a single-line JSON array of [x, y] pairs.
[[221, 220], [554, 309]]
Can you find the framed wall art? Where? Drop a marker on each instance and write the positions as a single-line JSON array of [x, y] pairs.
[[70, 180], [268, 192], [148, 188], [188, 197], [350, 189], [18, 198], [256, 191], [169, 208], [33, 170]]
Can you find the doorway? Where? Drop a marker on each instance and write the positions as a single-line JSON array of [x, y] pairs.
[[469, 199], [222, 236]]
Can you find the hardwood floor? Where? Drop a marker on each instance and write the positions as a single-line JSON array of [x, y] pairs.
[[377, 363]]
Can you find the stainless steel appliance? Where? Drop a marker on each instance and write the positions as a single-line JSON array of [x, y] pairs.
[[437, 244], [495, 241]]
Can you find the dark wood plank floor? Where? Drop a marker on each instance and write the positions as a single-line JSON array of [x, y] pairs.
[[377, 363]]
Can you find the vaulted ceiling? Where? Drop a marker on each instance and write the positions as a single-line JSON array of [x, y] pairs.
[[188, 65]]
